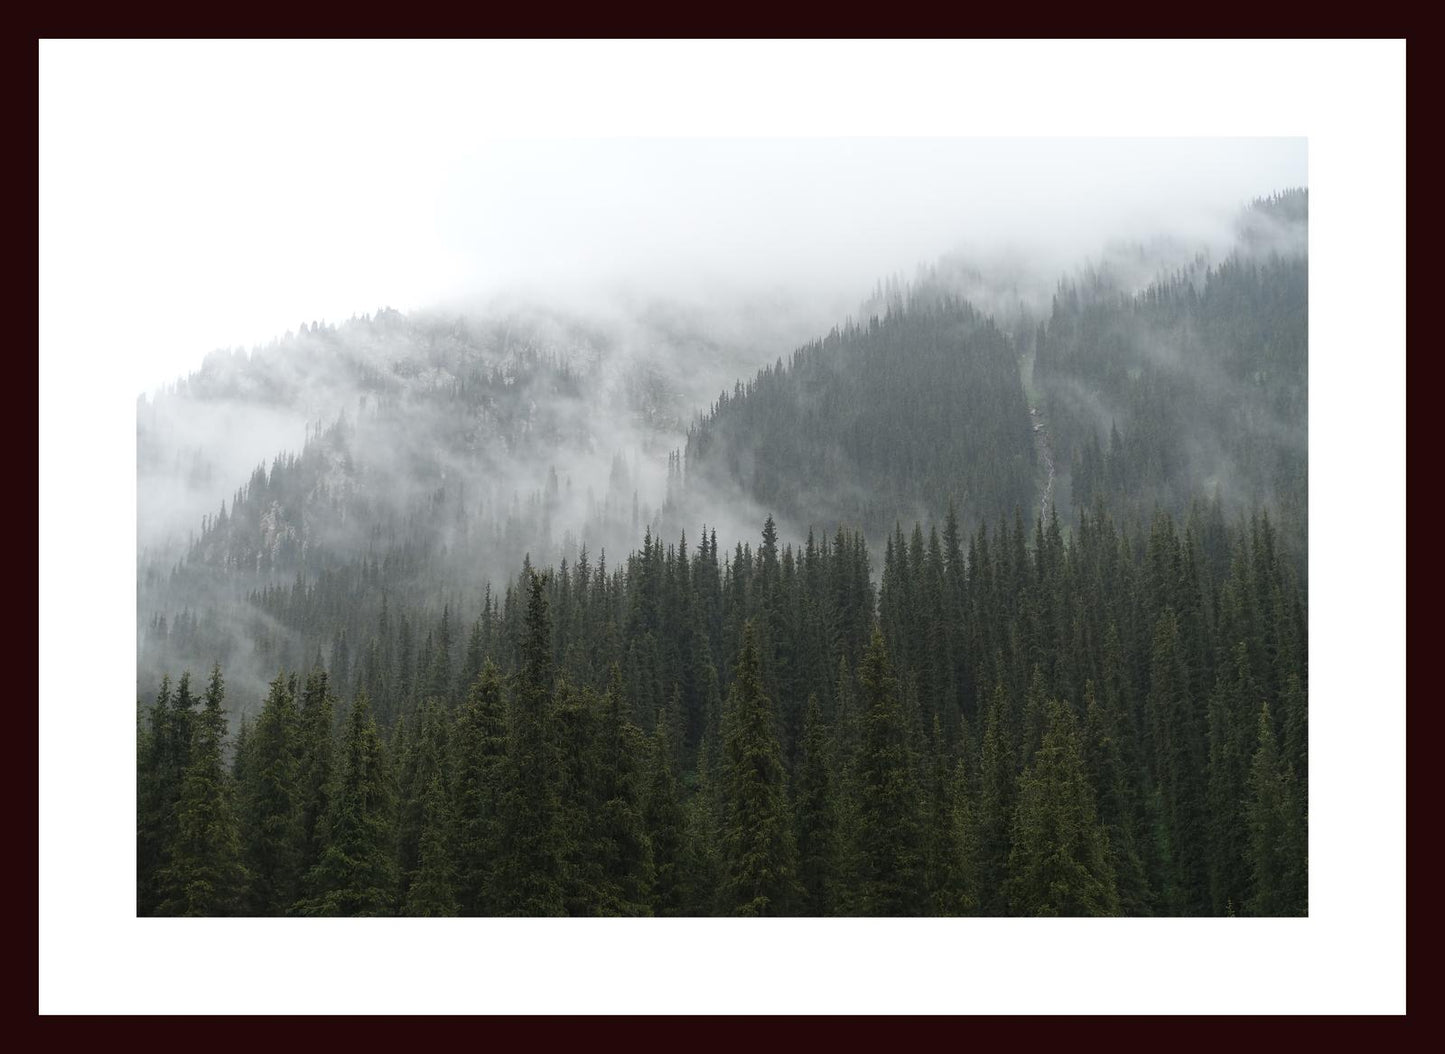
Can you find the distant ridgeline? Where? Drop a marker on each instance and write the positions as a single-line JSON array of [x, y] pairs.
[[1196, 383], [1010, 724], [440, 474], [876, 424], [1199, 382]]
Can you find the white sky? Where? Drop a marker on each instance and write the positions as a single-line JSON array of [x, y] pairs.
[[205, 194]]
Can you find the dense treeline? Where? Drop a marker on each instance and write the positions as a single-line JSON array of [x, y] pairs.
[[1011, 723]]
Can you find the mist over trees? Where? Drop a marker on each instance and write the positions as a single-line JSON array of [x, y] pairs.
[[1198, 382], [992, 600], [921, 407]]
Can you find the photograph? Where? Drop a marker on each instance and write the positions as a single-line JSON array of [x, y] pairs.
[[680, 570], [682, 483]]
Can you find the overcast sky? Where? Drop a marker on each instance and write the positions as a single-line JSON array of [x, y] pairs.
[[197, 195]]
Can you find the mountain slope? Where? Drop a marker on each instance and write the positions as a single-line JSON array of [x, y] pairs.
[[876, 423]]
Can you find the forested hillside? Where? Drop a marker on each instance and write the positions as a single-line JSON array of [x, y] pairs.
[[1024, 630], [1012, 725], [1199, 382], [877, 423], [432, 454]]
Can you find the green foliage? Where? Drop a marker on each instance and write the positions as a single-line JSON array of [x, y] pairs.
[[202, 874], [1179, 758], [1232, 735], [270, 803], [480, 760], [1277, 830], [421, 761], [1099, 709], [817, 816], [357, 871], [1115, 789], [1060, 860], [666, 823], [759, 853], [990, 838], [433, 888], [938, 779], [946, 820], [1204, 374], [890, 824], [531, 836], [620, 825], [901, 412], [315, 771], [162, 754]]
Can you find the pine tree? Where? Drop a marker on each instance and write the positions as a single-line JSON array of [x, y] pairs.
[[759, 854], [480, 779], [530, 879], [1295, 744], [1232, 707], [947, 885], [270, 804], [1118, 809], [439, 671], [420, 759], [890, 832], [203, 875], [1180, 759], [817, 820], [433, 889], [357, 871], [1059, 863], [583, 845], [666, 824], [318, 712], [1278, 840], [991, 838], [241, 752], [161, 758], [627, 862], [966, 887], [706, 809]]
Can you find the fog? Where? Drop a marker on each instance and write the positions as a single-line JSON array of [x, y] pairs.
[[217, 194], [829, 216], [321, 234], [653, 273], [754, 244]]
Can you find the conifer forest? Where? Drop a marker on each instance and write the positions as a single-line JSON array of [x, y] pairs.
[[986, 596]]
